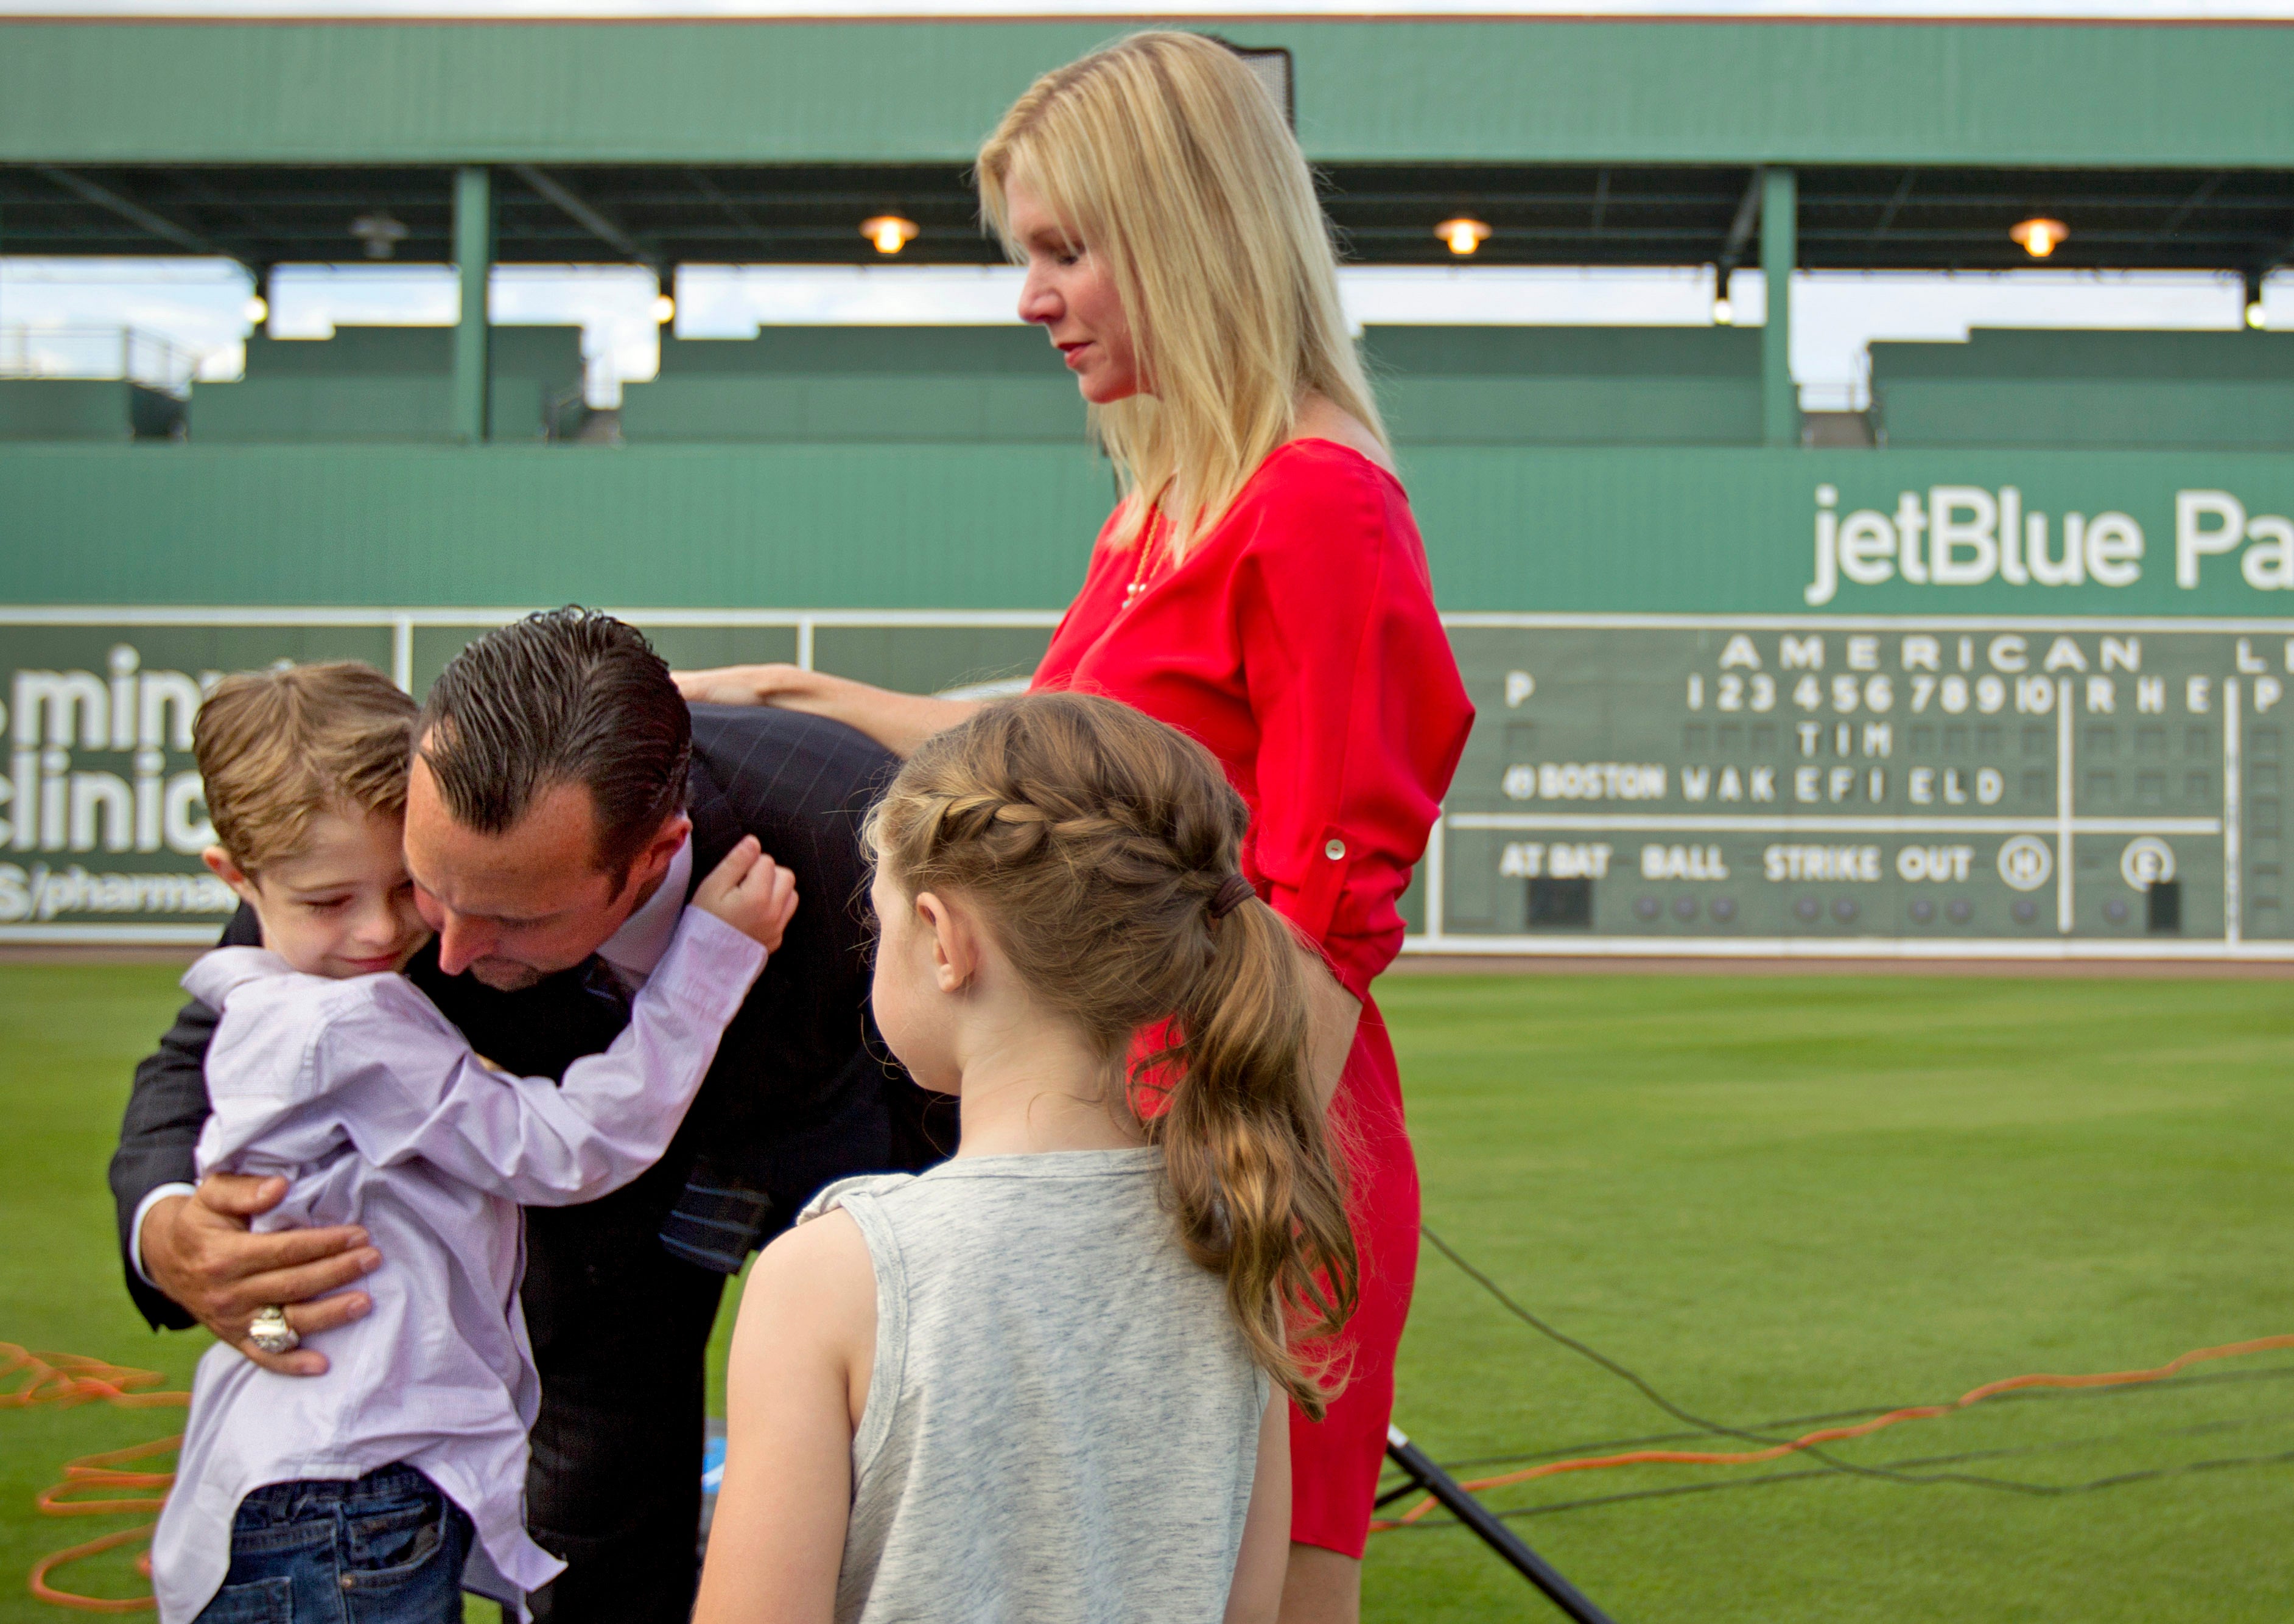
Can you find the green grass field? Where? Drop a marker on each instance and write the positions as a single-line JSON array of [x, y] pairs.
[[1772, 1198]]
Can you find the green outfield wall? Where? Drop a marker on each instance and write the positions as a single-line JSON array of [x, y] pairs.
[[1451, 91], [1732, 702], [1688, 530]]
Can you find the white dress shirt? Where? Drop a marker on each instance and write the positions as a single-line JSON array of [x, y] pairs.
[[635, 948], [632, 951], [378, 1113]]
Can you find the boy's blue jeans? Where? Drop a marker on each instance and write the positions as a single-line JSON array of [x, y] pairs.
[[386, 1548]]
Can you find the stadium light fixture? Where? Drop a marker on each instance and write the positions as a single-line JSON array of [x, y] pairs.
[[381, 231], [2256, 321], [2038, 236], [1724, 314], [256, 311], [664, 310], [1463, 234], [889, 232]]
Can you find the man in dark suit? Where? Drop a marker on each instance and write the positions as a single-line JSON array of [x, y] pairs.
[[562, 803]]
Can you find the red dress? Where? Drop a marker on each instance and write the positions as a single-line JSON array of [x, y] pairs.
[[1297, 641]]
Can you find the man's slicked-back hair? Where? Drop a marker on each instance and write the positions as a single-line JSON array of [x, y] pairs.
[[566, 697]]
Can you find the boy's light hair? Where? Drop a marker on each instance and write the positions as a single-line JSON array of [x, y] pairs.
[[1167, 155], [277, 748]]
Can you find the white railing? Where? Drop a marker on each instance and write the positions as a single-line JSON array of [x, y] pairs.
[[98, 351], [1853, 396]]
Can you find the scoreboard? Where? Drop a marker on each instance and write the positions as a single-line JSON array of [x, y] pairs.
[[1948, 786]]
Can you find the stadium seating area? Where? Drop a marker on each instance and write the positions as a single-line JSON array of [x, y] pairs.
[[1439, 385], [1567, 386], [2060, 388], [391, 384], [844, 384], [85, 409]]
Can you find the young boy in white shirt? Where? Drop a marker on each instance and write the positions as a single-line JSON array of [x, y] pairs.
[[376, 1492]]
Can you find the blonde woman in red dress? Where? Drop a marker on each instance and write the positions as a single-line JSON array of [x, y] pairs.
[[1260, 586]]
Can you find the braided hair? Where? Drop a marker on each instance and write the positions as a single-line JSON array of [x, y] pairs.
[[1098, 845]]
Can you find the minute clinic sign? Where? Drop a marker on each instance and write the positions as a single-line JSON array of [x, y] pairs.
[[102, 817]]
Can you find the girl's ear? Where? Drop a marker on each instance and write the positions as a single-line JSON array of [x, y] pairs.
[[222, 867], [955, 946]]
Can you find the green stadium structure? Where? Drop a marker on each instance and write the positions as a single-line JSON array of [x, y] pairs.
[[2181, 391], [72, 409], [1567, 386], [391, 385], [986, 386], [2006, 674]]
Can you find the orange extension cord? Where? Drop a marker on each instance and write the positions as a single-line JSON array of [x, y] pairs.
[[1834, 1435], [67, 1379]]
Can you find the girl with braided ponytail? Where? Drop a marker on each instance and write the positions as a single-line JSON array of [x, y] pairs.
[[1046, 1381], [1260, 585]]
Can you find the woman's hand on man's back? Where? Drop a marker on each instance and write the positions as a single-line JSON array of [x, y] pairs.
[[743, 684], [900, 722]]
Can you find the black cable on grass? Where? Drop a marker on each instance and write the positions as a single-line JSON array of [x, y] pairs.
[[2028, 1395], [2063, 1446], [1733, 1482], [1679, 1490], [1587, 1351], [1830, 1463]]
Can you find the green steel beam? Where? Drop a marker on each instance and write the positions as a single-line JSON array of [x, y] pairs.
[[1779, 249], [129, 210], [1514, 90], [589, 217], [474, 259]]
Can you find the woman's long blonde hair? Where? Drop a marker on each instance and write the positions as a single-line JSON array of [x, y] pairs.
[[1095, 840], [1164, 153]]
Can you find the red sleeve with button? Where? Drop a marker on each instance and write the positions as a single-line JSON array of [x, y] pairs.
[[1360, 712]]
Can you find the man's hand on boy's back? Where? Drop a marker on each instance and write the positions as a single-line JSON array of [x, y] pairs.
[[198, 1249], [751, 892]]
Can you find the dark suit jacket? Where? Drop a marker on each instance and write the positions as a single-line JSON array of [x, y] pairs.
[[801, 1091]]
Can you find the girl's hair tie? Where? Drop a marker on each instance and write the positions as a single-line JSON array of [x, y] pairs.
[[1233, 891]]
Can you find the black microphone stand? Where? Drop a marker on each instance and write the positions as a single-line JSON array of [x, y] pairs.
[[1489, 1529]]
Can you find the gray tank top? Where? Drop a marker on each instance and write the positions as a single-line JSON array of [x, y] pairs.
[[1062, 1422]]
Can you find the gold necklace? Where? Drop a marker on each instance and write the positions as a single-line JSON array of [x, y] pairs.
[[1146, 562]]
